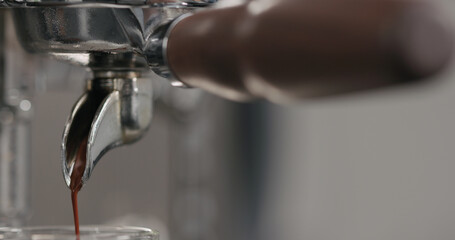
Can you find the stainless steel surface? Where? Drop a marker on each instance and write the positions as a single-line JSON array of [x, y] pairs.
[[115, 110], [101, 38], [156, 48]]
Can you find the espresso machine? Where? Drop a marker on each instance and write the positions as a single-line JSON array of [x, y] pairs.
[[280, 51]]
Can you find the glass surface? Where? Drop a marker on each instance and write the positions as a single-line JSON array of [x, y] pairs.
[[87, 233]]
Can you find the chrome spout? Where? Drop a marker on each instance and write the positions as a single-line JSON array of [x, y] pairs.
[[116, 109]]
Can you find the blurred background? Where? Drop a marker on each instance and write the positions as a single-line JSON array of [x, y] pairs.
[[372, 165]]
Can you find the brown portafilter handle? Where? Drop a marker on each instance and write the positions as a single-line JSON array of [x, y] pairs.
[[298, 49]]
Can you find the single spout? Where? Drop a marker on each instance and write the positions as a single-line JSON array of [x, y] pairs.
[[116, 109]]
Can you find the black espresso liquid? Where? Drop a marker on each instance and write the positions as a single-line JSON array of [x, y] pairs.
[[76, 180]]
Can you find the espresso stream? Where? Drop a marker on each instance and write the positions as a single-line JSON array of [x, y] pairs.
[[76, 180]]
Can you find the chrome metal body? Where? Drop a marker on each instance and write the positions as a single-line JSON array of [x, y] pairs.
[[101, 38], [156, 48]]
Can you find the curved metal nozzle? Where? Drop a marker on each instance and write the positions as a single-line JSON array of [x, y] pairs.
[[116, 109]]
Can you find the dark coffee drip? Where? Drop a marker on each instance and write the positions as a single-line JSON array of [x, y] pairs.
[[76, 180]]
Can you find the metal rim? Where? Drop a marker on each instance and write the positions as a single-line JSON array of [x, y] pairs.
[[89, 232]]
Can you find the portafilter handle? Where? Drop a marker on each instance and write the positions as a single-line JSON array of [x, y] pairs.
[[282, 50]]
